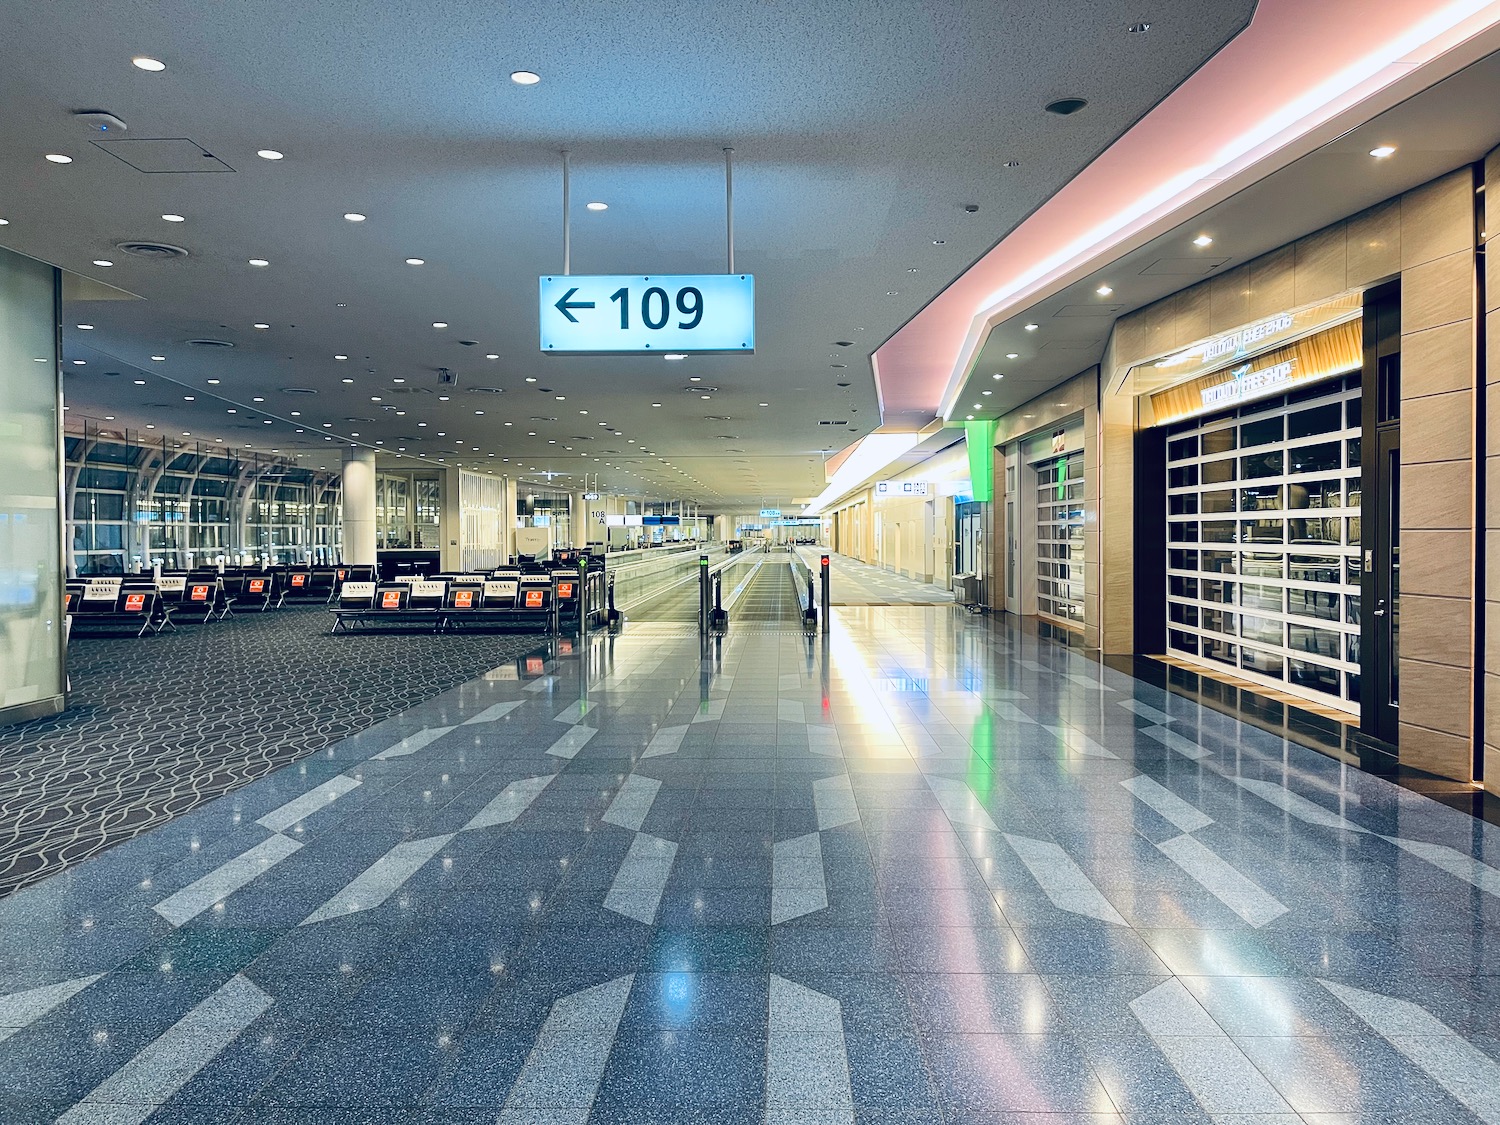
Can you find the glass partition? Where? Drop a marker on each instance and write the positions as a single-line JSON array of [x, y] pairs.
[[31, 620]]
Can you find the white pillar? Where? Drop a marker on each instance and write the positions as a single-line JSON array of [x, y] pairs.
[[359, 506]]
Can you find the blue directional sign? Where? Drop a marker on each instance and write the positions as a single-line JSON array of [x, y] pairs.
[[627, 314]]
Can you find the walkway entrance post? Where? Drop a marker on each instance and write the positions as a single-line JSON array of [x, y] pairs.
[[823, 567]]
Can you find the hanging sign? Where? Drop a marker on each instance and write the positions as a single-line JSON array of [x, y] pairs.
[[626, 314]]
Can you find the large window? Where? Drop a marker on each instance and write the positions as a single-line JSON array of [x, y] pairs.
[[1059, 538], [408, 511], [134, 503], [1263, 541]]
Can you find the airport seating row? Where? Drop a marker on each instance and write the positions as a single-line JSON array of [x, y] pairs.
[[510, 599]]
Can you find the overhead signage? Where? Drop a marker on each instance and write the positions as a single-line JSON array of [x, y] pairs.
[[771, 512], [1245, 383], [901, 488], [622, 314], [591, 496], [1246, 338], [1060, 441]]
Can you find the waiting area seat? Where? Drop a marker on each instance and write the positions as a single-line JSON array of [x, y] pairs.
[[512, 600], [114, 603]]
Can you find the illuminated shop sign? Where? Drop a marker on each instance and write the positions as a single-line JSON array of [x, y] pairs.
[[901, 488], [1245, 383], [1246, 338]]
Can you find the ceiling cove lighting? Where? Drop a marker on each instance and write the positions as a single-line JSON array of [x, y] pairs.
[[150, 65], [525, 77], [1380, 152]]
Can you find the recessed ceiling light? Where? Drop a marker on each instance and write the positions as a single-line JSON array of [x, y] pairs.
[[525, 77], [59, 158], [1104, 290], [102, 262], [440, 324], [159, 358], [346, 380], [1379, 153], [416, 261], [79, 362], [260, 325], [174, 218], [139, 382], [259, 263], [531, 378], [142, 62], [596, 205], [213, 382], [969, 417], [86, 327], [676, 355], [1203, 240], [1065, 107], [354, 216], [269, 154], [1031, 327], [656, 404], [986, 392], [997, 375], [340, 357], [6, 223], [492, 356]]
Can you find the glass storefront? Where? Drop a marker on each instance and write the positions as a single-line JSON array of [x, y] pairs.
[[1263, 528]]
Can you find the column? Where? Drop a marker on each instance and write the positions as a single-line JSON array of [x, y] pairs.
[[359, 506], [579, 521], [32, 636]]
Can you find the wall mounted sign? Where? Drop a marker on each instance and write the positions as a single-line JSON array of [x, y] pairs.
[[1333, 351], [1246, 338], [901, 488], [1060, 441], [626, 314], [770, 512], [1245, 383]]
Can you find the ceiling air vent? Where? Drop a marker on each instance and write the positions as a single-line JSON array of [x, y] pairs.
[[206, 343], [298, 391], [359, 419], [835, 422], [157, 251], [486, 390]]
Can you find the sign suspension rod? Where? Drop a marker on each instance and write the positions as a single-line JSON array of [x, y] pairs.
[[567, 219], [729, 204]]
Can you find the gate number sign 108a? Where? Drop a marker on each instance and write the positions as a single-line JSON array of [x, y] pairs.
[[629, 314]]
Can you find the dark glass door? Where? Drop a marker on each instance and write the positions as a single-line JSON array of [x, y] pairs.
[[1383, 569]]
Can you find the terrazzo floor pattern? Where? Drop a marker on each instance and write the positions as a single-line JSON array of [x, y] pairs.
[[932, 869]]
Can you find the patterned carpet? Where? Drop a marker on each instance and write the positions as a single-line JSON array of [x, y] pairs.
[[160, 725]]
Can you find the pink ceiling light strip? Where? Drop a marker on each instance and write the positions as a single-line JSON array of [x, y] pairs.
[[1274, 93]]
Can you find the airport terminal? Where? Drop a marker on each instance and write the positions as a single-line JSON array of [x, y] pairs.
[[799, 562]]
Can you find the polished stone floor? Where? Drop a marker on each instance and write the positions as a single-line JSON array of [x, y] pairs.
[[932, 869]]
